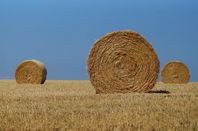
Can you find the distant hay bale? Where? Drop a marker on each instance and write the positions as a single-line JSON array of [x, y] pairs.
[[31, 72], [122, 62], [175, 72]]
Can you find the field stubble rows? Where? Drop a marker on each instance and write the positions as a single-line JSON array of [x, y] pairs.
[[73, 105]]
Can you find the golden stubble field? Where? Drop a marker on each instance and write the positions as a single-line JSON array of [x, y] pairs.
[[73, 105]]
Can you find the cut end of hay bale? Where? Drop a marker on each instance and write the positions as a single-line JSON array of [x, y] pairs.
[[31, 72], [175, 72], [122, 62]]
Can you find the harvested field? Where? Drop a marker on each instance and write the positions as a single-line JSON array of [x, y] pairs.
[[73, 105]]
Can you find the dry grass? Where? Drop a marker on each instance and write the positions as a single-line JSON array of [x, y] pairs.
[[73, 105]]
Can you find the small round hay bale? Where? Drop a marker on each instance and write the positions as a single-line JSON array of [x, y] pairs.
[[31, 72], [122, 62], [175, 72]]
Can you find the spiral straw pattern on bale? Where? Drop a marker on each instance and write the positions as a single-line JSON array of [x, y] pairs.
[[175, 72], [31, 72], [122, 62]]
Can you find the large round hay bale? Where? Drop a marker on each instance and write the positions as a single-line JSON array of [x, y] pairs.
[[31, 72], [122, 62], [175, 72]]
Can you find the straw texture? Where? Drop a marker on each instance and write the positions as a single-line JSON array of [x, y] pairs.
[[175, 72], [31, 72], [122, 62]]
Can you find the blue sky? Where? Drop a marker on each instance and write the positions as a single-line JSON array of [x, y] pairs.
[[60, 33]]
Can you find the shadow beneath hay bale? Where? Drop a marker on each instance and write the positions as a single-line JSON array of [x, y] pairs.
[[152, 92], [159, 92]]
